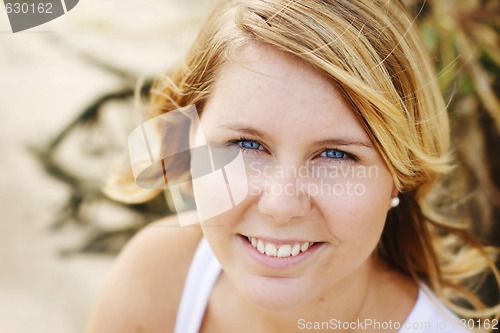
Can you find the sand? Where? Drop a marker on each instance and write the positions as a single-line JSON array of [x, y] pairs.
[[44, 84]]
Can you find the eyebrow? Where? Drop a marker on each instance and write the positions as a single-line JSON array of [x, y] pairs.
[[345, 141], [340, 141], [243, 129]]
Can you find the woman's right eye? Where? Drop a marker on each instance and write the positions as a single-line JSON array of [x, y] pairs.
[[249, 144], [249, 147]]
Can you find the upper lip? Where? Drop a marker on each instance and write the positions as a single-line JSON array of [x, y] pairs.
[[277, 241]]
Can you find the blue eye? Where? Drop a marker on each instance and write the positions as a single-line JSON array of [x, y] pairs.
[[334, 154], [249, 144]]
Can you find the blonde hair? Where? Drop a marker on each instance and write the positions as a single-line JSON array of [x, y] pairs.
[[371, 50]]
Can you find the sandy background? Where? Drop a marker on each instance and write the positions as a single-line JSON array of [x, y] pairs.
[[43, 86]]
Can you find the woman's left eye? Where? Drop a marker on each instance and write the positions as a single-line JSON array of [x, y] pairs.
[[335, 154]]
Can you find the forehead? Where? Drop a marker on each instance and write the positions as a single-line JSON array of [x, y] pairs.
[[268, 89]]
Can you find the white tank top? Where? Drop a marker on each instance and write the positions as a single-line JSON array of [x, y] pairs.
[[429, 315]]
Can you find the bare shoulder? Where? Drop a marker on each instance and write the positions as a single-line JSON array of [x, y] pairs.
[[144, 288]]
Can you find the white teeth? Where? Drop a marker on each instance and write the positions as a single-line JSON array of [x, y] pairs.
[[304, 246], [271, 250], [282, 251], [260, 246]]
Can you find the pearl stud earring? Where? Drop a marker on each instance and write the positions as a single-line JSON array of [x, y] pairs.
[[395, 201]]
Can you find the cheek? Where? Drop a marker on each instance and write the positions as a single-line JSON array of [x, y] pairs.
[[215, 233], [220, 230], [356, 217]]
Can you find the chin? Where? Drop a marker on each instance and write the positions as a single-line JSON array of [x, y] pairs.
[[275, 293]]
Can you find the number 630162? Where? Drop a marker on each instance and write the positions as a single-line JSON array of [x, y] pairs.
[[25, 8], [478, 323]]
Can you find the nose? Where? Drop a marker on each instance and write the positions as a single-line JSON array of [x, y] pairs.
[[283, 200]]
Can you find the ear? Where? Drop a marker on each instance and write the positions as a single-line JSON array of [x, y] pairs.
[[395, 191]]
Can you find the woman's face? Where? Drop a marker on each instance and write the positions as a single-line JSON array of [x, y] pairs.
[[313, 177]]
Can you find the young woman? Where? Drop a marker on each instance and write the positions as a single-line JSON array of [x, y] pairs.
[[336, 86]]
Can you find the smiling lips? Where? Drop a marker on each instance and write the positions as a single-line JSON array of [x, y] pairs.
[[282, 250]]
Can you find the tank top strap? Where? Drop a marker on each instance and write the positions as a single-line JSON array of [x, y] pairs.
[[203, 273]]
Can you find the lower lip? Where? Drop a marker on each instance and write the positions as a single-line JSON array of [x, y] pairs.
[[278, 262]]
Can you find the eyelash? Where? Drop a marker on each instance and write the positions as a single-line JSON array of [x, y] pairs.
[[346, 156], [238, 142]]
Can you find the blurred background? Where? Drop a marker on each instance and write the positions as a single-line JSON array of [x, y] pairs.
[[67, 106]]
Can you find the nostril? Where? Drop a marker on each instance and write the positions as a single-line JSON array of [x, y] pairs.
[[283, 203]]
